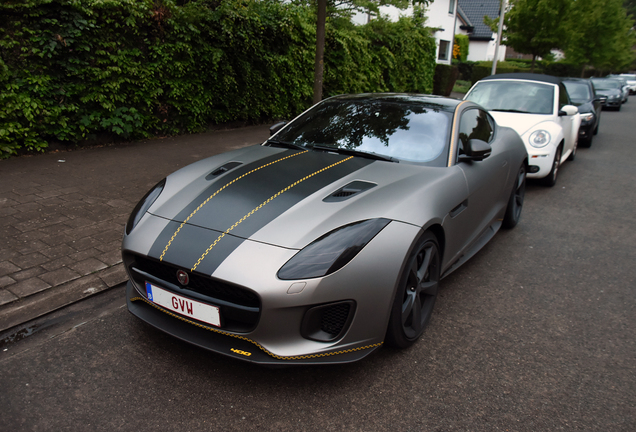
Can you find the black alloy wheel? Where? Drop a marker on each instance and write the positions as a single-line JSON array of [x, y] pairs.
[[515, 202], [414, 301]]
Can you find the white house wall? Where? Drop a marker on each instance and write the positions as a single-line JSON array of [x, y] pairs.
[[485, 50], [437, 17]]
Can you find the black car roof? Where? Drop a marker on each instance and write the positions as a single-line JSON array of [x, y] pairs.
[[525, 76]]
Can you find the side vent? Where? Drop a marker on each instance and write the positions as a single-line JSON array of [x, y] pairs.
[[349, 190], [223, 169]]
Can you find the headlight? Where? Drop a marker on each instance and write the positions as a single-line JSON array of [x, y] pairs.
[[142, 206], [539, 138], [587, 117], [332, 251]]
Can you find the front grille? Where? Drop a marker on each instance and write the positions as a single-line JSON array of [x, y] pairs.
[[199, 283], [239, 307], [334, 318]]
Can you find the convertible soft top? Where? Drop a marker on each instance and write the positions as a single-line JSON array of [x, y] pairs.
[[526, 76]]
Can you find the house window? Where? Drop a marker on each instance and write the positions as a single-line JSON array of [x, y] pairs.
[[451, 6], [443, 50]]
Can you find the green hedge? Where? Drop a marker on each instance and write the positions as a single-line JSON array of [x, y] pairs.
[[72, 69], [483, 69], [444, 80]]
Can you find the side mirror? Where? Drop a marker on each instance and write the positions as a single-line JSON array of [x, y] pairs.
[[475, 150], [275, 128], [568, 110]]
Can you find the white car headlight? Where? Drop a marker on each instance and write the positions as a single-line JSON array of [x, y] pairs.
[[540, 138]]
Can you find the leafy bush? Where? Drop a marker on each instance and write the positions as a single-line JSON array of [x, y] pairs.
[[71, 69], [462, 42]]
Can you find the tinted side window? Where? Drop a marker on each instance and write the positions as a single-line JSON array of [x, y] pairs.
[[474, 124]]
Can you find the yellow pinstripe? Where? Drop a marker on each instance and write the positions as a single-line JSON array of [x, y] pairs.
[[301, 357], [261, 206], [216, 193]]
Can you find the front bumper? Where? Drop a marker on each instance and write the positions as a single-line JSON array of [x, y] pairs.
[[586, 130], [278, 336], [615, 103], [226, 343], [542, 160]]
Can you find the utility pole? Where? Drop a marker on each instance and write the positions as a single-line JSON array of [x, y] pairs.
[[501, 21]]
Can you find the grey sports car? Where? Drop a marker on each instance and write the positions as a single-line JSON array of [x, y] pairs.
[[328, 239]]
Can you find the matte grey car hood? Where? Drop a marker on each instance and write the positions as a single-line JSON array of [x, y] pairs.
[[286, 197]]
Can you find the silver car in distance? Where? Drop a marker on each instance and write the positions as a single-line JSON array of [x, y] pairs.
[[330, 238]]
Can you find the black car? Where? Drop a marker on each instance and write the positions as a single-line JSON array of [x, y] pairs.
[[583, 95], [610, 88]]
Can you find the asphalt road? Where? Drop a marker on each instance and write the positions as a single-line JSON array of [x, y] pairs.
[[535, 333]]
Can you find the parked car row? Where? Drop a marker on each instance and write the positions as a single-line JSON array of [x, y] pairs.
[[552, 115], [539, 108]]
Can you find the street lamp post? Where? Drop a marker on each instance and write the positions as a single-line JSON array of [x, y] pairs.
[[501, 20]]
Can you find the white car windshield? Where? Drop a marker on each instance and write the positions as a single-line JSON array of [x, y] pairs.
[[526, 97]]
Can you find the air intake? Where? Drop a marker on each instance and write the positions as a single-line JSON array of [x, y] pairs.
[[348, 191], [222, 170]]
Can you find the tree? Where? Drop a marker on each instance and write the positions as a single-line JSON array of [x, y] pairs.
[[630, 7], [343, 8], [533, 26], [600, 35]]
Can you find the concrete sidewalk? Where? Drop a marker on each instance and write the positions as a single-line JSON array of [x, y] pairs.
[[62, 215]]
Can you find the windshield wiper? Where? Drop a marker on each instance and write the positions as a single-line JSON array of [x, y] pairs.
[[512, 110], [350, 152], [284, 144]]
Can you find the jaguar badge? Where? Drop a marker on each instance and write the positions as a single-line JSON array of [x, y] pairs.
[[183, 277]]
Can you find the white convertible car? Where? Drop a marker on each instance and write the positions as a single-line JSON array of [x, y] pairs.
[[538, 107]]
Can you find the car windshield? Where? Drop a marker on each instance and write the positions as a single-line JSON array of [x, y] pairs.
[[606, 84], [578, 91], [629, 77], [514, 96], [396, 128]]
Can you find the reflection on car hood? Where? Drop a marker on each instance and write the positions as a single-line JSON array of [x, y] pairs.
[[521, 123]]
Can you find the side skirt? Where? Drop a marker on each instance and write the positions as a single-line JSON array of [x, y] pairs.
[[481, 241]]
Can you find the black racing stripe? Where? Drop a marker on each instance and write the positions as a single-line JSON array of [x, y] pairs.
[[297, 177], [220, 184], [194, 242]]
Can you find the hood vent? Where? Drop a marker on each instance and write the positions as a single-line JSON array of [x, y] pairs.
[[222, 170], [348, 191]]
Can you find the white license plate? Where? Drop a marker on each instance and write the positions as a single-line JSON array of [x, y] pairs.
[[184, 306]]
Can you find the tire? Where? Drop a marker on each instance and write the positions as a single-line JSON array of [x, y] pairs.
[[587, 143], [551, 178], [596, 129], [573, 154], [416, 294], [515, 202]]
